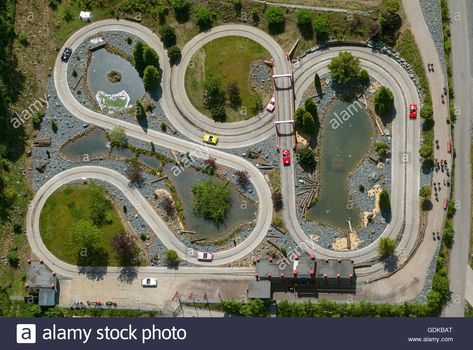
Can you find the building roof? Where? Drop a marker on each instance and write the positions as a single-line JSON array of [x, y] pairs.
[[332, 268], [40, 276], [259, 290], [47, 297]]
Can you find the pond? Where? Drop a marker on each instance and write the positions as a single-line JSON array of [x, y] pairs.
[[102, 63], [346, 136], [94, 145], [241, 212]]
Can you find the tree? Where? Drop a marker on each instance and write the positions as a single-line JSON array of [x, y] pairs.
[[254, 308], [275, 17], [448, 234], [214, 95], [384, 201], [212, 200], [425, 192], [84, 235], [386, 247], [151, 78], [311, 107], [441, 285], [298, 117], [204, 17], [117, 137], [345, 68], [317, 83], [174, 54], [426, 112], [234, 94], [237, 5], [99, 205], [181, 9], [389, 18], [304, 22], [171, 258], [383, 100], [124, 245], [306, 158], [308, 123], [168, 35], [150, 57], [140, 113], [133, 173], [138, 51]]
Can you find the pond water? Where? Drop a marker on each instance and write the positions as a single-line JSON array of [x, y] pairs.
[[241, 212], [101, 64], [94, 145], [345, 140]]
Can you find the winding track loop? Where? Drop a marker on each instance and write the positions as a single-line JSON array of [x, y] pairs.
[[387, 71]]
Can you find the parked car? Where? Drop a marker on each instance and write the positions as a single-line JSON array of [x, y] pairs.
[[286, 157], [66, 54], [212, 139], [149, 282], [413, 111], [271, 105], [202, 256]]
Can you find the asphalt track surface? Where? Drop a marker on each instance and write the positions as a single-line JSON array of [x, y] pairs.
[[405, 175]]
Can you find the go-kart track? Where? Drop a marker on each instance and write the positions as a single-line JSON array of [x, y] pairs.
[[404, 225]]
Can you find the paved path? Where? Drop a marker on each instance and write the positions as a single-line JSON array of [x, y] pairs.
[[463, 85], [469, 285], [309, 7], [437, 81]]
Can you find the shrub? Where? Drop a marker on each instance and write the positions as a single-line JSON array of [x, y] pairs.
[[171, 258], [174, 54], [382, 149], [36, 120], [308, 123], [383, 101], [23, 39], [204, 17], [181, 9], [164, 127], [306, 158], [54, 126], [211, 200], [150, 57], [386, 247], [134, 173], [138, 51], [242, 177], [275, 17], [425, 191], [277, 200], [151, 78], [12, 258], [168, 35], [117, 137], [304, 22], [140, 113], [384, 201]]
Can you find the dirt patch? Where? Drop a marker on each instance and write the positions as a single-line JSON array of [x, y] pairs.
[[340, 243], [369, 215]]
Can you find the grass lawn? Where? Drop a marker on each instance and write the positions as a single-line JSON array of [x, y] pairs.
[[362, 5], [230, 58], [470, 254], [64, 208]]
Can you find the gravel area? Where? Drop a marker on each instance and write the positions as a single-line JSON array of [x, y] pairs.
[[433, 18], [69, 127], [366, 173], [422, 296], [78, 63]]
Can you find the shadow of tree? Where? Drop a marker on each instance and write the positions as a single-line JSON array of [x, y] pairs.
[[390, 263], [128, 274], [94, 263]]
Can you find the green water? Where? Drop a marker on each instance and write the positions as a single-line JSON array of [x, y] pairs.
[[343, 144]]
